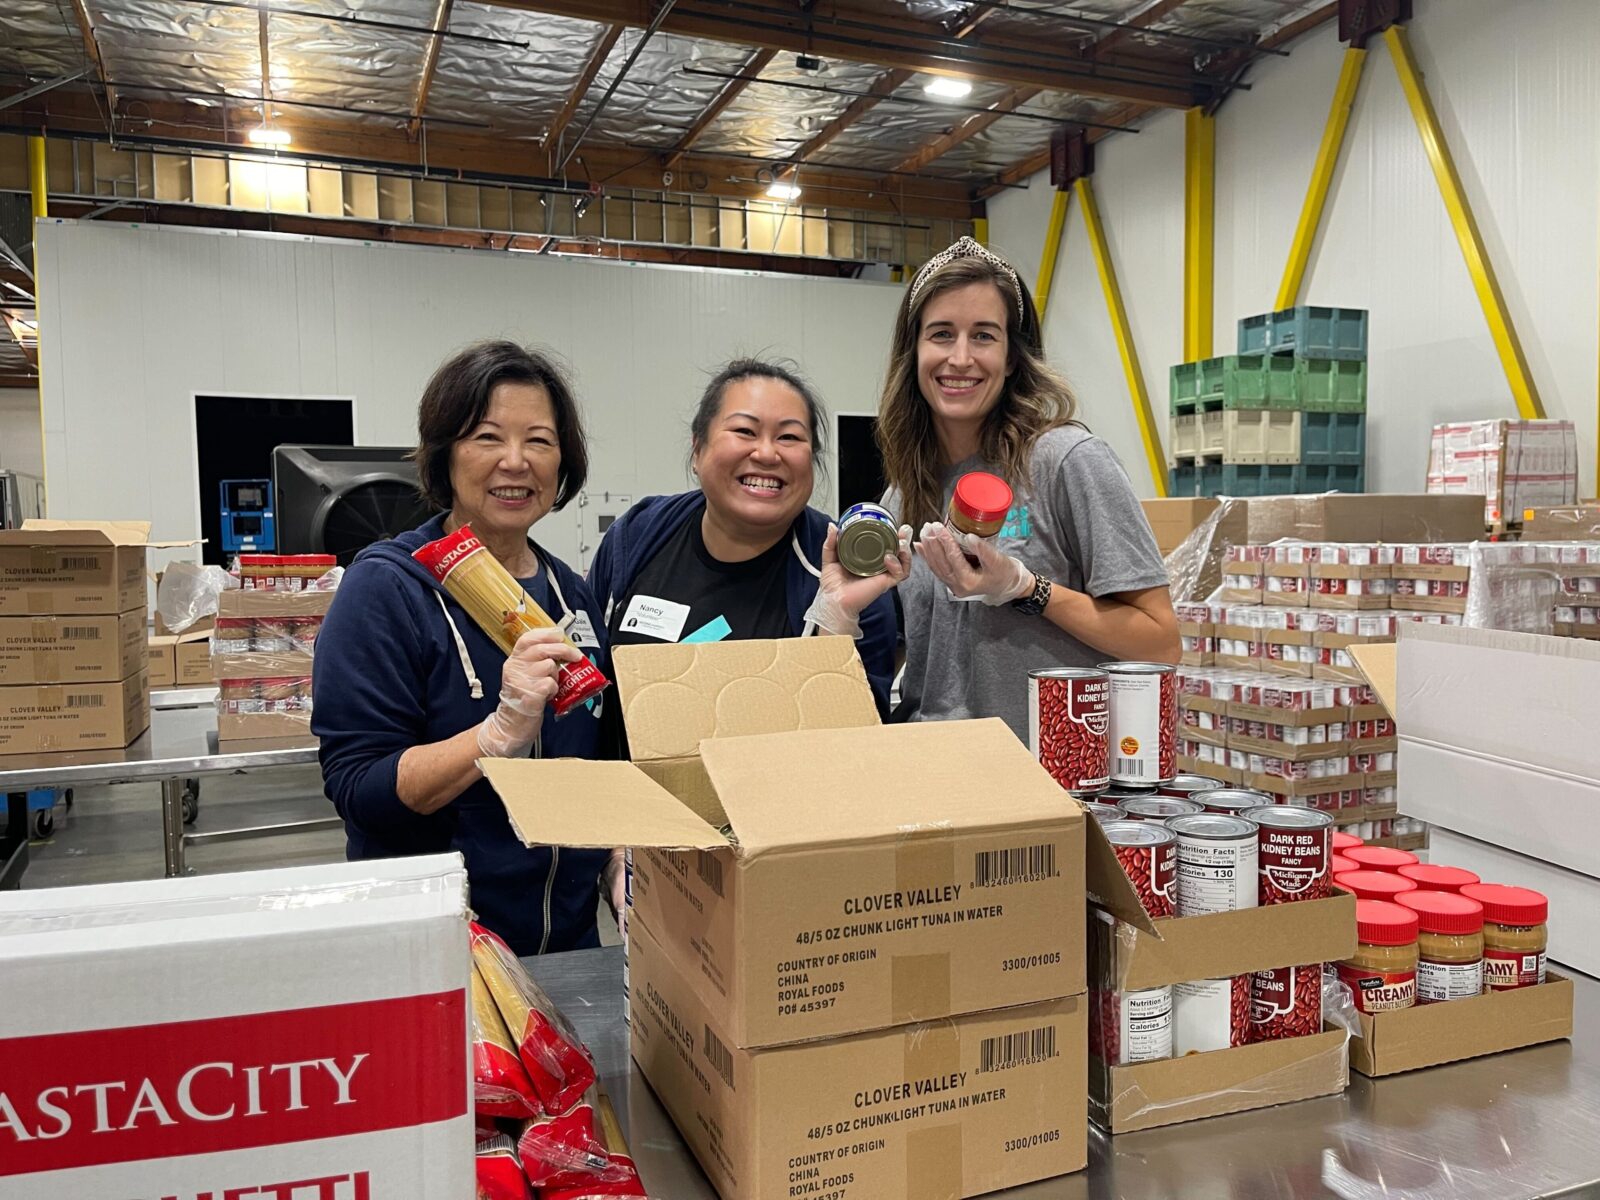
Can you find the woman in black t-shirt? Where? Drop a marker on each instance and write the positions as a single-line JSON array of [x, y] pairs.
[[742, 556]]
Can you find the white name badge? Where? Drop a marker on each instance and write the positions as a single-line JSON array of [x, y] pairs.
[[581, 631], [656, 618]]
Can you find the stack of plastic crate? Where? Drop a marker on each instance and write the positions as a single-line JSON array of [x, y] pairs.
[[1287, 413]]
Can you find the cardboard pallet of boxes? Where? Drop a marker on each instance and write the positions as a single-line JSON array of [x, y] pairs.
[[1513, 465], [72, 618], [876, 961], [261, 652]]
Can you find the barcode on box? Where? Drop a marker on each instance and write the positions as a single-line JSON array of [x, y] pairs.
[[1023, 864], [94, 701], [1017, 1050], [79, 562], [718, 1055], [1130, 768], [709, 868], [80, 633]]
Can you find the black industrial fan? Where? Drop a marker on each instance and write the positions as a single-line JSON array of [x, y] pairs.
[[340, 499]]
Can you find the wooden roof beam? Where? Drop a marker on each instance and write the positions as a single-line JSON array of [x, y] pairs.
[[430, 64], [80, 10], [580, 87], [753, 66]]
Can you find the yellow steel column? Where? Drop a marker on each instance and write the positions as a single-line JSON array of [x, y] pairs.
[[1305, 234], [1199, 231], [1052, 251], [37, 179], [1124, 332], [980, 230], [1484, 282]]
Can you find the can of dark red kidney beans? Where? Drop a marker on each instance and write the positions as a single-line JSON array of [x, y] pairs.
[[1185, 786], [1067, 724], [1156, 808], [1210, 1014], [1133, 1026], [1293, 852], [1144, 722], [1286, 1002], [1217, 857], [1148, 854], [1230, 800]]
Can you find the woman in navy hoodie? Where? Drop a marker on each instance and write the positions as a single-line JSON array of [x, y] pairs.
[[409, 693], [742, 556]]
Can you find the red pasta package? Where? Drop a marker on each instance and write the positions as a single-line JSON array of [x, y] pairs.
[[619, 1178], [499, 1174], [500, 1083], [558, 1064], [553, 1148]]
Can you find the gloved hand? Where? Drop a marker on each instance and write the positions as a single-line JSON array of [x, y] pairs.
[[614, 888], [842, 597], [527, 684], [997, 579]]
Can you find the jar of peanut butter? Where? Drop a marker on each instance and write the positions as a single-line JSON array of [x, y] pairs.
[[1514, 934]]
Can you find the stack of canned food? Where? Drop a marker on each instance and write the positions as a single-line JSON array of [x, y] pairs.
[[279, 694], [266, 635], [283, 572]]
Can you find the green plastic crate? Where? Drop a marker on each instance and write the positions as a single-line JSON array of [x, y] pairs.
[[1311, 330], [1333, 439], [1331, 384], [1259, 381], [1195, 384]]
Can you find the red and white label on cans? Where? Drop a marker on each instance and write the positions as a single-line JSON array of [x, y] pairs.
[[1286, 1002], [1153, 871], [1294, 864], [1134, 1026], [1216, 874], [1068, 718], [1210, 1014], [1143, 727]]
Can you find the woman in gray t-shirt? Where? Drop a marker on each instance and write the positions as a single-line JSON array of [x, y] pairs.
[[1074, 577]]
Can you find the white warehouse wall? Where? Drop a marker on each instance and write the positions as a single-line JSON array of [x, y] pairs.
[[1517, 87], [137, 320]]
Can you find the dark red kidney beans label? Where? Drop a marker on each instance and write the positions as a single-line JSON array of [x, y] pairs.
[[1153, 871], [1286, 1002], [1068, 725], [1293, 865]]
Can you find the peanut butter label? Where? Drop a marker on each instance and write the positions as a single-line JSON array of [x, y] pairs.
[[1380, 991], [1512, 968]]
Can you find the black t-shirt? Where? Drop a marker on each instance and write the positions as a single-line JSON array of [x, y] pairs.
[[751, 597]]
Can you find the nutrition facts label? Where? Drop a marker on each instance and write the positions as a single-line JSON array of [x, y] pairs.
[[1448, 981], [1146, 1025], [1216, 875]]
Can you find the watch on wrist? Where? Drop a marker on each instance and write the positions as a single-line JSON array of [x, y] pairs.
[[1033, 603]]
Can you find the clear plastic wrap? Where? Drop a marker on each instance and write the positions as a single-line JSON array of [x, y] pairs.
[[619, 1178], [499, 1173], [188, 592], [500, 1083], [1535, 587], [560, 1149], [558, 1063]]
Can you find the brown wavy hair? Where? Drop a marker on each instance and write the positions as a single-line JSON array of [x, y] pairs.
[[1033, 399]]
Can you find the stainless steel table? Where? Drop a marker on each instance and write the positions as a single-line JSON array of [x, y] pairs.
[[1525, 1123], [181, 744]]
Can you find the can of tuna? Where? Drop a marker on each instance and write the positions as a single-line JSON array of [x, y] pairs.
[[1210, 1014], [1148, 854], [1144, 722], [1230, 800], [1217, 857], [1103, 812], [1294, 852], [1067, 723], [1157, 808], [1133, 1027], [1286, 1002], [867, 533], [1185, 786]]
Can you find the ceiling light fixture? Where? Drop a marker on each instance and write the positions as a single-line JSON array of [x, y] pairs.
[[946, 88], [266, 136], [783, 191]]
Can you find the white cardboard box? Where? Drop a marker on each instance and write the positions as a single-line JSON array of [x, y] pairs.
[[1500, 739], [233, 1034]]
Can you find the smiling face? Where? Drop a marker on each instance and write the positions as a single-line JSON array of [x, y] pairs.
[[504, 473], [963, 357], [755, 461]]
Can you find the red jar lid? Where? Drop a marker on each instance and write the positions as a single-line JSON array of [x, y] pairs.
[[1379, 923], [1443, 912], [1506, 905], [1338, 864], [1373, 885], [1380, 858], [1346, 841], [982, 496], [1432, 877]]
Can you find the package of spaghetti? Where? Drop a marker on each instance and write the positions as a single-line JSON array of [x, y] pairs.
[[502, 608], [500, 1175], [618, 1178], [558, 1063], [500, 1083], [554, 1148]]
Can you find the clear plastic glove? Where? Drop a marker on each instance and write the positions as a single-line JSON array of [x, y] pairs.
[[527, 684], [842, 596], [613, 887], [997, 579]]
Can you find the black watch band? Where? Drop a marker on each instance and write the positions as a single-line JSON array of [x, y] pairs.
[[1033, 603]]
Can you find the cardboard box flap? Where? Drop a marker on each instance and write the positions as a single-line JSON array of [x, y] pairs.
[[884, 783], [40, 532], [1109, 884], [574, 802], [676, 696], [1377, 662]]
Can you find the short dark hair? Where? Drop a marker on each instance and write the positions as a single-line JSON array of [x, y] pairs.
[[758, 368], [457, 397]]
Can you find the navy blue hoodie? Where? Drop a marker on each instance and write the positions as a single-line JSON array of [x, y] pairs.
[[392, 672], [639, 534]]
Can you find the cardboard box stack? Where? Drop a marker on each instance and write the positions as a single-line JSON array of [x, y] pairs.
[[261, 652], [73, 607], [851, 953], [1287, 413], [1513, 465]]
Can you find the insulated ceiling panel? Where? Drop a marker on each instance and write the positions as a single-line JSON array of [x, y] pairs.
[[771, 122], [342, 64], [889, 133], [178, 47], [39, 38], [656, 101], [1012, 139]]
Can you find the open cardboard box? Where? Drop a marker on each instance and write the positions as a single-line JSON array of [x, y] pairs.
[[1430, 1034], [75, 567]]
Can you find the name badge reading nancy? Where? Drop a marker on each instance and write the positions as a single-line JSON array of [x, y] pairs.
[[652, 617]]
